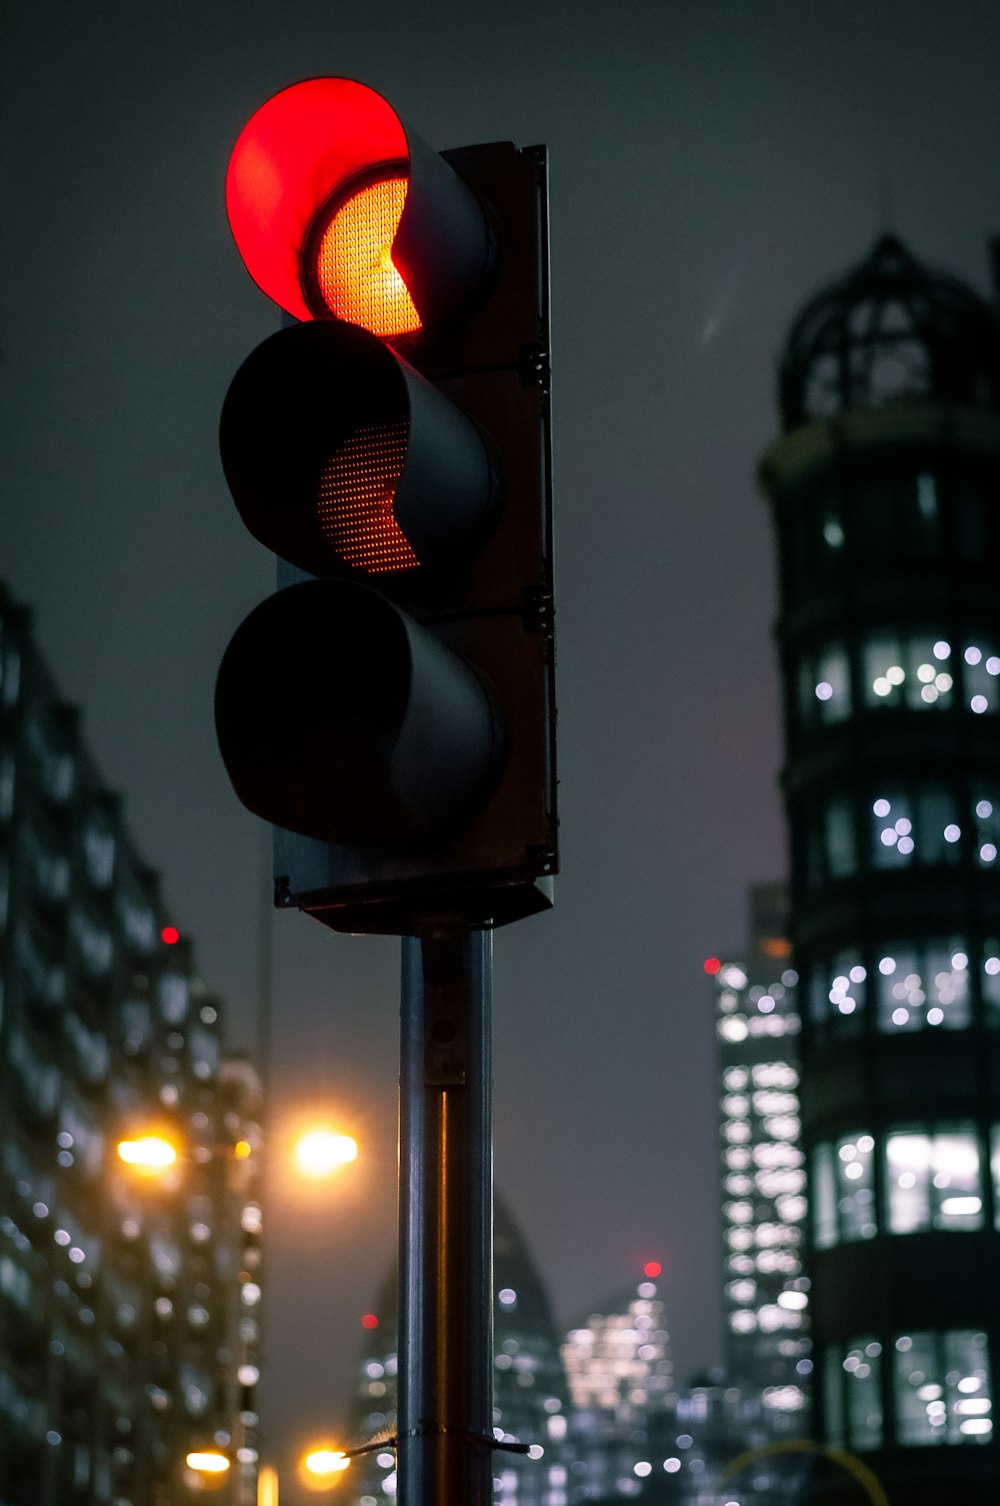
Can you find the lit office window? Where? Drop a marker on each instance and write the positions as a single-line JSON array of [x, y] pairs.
[[837, 989], [852, 1393], [910, 671], [173, 997], [941, 1383], [923, 987], [831, 528], [914, 826], [986, 824], [863, 1368], [933, 1181], [824, 1198], [94, 943], [99, 855], [990, 980], [818, 538], [981, 675], [843, 1191], [826, 686], [835, 1425], [995, 1170]]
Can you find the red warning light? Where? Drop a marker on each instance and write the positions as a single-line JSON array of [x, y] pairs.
[[369, 1321], [712, 965], [652, 1268], [300, 153], [170, 935]]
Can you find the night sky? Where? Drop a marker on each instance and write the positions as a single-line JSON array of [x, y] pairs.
[[711, 164]]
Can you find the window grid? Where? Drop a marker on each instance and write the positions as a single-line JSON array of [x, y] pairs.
[[940, 1383], [933, 1179], [941, 1388], [918, 671], [928, 985]]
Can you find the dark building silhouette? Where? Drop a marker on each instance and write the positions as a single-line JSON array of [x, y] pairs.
[[886, 496], [128, 1305], [530, 1395]]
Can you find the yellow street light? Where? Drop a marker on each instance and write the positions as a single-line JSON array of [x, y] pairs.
[[207, 1461], [149, 1154], [320, 1152], [324, 1463]]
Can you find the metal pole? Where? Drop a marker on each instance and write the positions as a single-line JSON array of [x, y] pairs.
[[445, 1411]]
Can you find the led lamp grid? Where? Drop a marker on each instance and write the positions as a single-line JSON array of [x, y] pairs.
[[355, 496], [354, 266]]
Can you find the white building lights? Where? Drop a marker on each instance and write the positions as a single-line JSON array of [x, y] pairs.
[[620, 1361], [939, 1383], [763, 1176]]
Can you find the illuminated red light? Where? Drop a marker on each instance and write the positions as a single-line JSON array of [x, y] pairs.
[[652, 1268], [300, 150], [369, 1321], [170, 935], [712, 965]]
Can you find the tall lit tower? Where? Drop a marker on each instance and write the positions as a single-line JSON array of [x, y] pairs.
[[886, 496], [765, 1292]]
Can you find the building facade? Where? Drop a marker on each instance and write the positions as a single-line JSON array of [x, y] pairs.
[[885, 491], [621, 1378], [762, 1167], [120, 1305], [530, 1396]]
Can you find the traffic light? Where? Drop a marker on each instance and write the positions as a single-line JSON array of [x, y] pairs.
[[390, 710]]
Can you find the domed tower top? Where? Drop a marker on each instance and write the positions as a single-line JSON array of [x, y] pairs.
[[890, 330]]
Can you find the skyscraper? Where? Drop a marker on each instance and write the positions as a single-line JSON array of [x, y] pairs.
[[530, 1399], [884, 489], [621, 1380], [763, 1178], [122, 1299]]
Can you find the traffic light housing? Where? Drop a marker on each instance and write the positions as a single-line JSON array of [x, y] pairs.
[[390, 710]]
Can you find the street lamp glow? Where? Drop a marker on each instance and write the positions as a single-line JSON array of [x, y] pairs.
[[150, 1153], [208, 1461], [319, 1153], [326, 1461], [267, 1485]]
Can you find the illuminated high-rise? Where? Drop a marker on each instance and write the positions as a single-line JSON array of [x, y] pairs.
[[620, 1372], [763, 1178], [885, 492], [127, 1304]]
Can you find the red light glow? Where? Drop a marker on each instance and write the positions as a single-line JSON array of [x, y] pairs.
[[712, 965], [289, 160], [652, 1268], [369, 1321], [170, 935]]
